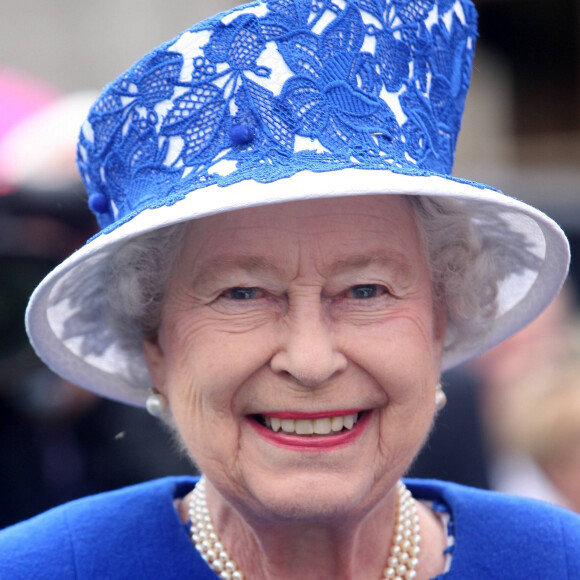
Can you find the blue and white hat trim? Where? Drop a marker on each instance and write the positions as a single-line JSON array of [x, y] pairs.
[[279, 87]]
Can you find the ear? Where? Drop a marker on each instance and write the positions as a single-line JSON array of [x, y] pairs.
[[155, 361]]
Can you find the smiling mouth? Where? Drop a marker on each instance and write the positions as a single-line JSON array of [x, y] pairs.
[[310, 427]]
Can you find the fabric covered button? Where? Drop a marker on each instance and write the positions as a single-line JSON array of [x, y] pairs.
[[99, 203], [241, 134]]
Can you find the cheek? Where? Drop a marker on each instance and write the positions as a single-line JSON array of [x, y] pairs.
[[203, 420], [401, 352], [190, 371], [402, 357], [409, 381], [207, 369]]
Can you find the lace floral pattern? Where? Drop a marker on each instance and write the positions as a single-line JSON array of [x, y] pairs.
[[277, 87]]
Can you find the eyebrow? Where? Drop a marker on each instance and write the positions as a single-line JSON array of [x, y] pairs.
[[213, 269], [247, 264], [394, 260]]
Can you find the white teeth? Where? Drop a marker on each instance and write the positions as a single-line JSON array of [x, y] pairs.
[[322, 426], [304, 427], [337, 423]]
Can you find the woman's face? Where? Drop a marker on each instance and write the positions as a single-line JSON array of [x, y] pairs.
[[288, 319]]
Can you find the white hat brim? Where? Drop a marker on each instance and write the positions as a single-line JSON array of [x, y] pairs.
[[104, 369]]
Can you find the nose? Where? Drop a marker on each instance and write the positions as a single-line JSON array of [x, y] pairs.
[[307, 351]]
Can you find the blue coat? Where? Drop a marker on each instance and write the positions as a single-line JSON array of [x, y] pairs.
[[135, 533]]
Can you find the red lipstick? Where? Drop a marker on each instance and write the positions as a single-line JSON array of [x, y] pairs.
[[317, 443]]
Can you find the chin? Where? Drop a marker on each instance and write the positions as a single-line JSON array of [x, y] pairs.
[[309, 496]]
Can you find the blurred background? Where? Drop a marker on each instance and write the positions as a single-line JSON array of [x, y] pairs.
[[513, 417]]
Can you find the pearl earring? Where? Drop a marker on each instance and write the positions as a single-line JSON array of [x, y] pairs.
[[440, 398], [156, 404]]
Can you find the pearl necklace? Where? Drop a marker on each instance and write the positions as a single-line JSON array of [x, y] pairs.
[[401, 564]]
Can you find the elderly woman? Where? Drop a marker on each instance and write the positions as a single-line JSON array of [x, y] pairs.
[[285, 267]]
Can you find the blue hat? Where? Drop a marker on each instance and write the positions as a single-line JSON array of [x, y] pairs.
[[275, 101]]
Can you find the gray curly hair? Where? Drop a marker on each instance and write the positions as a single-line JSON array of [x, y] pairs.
[[465, 270]]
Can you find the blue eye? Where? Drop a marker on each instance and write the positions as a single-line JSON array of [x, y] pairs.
[[365, 291], [242, 293]]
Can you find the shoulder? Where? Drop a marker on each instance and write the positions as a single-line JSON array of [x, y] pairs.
[[90, 537], [503, 536], [490, 506]]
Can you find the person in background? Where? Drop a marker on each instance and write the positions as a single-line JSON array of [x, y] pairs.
[[535, 434], [472, 442], [546, 427]]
